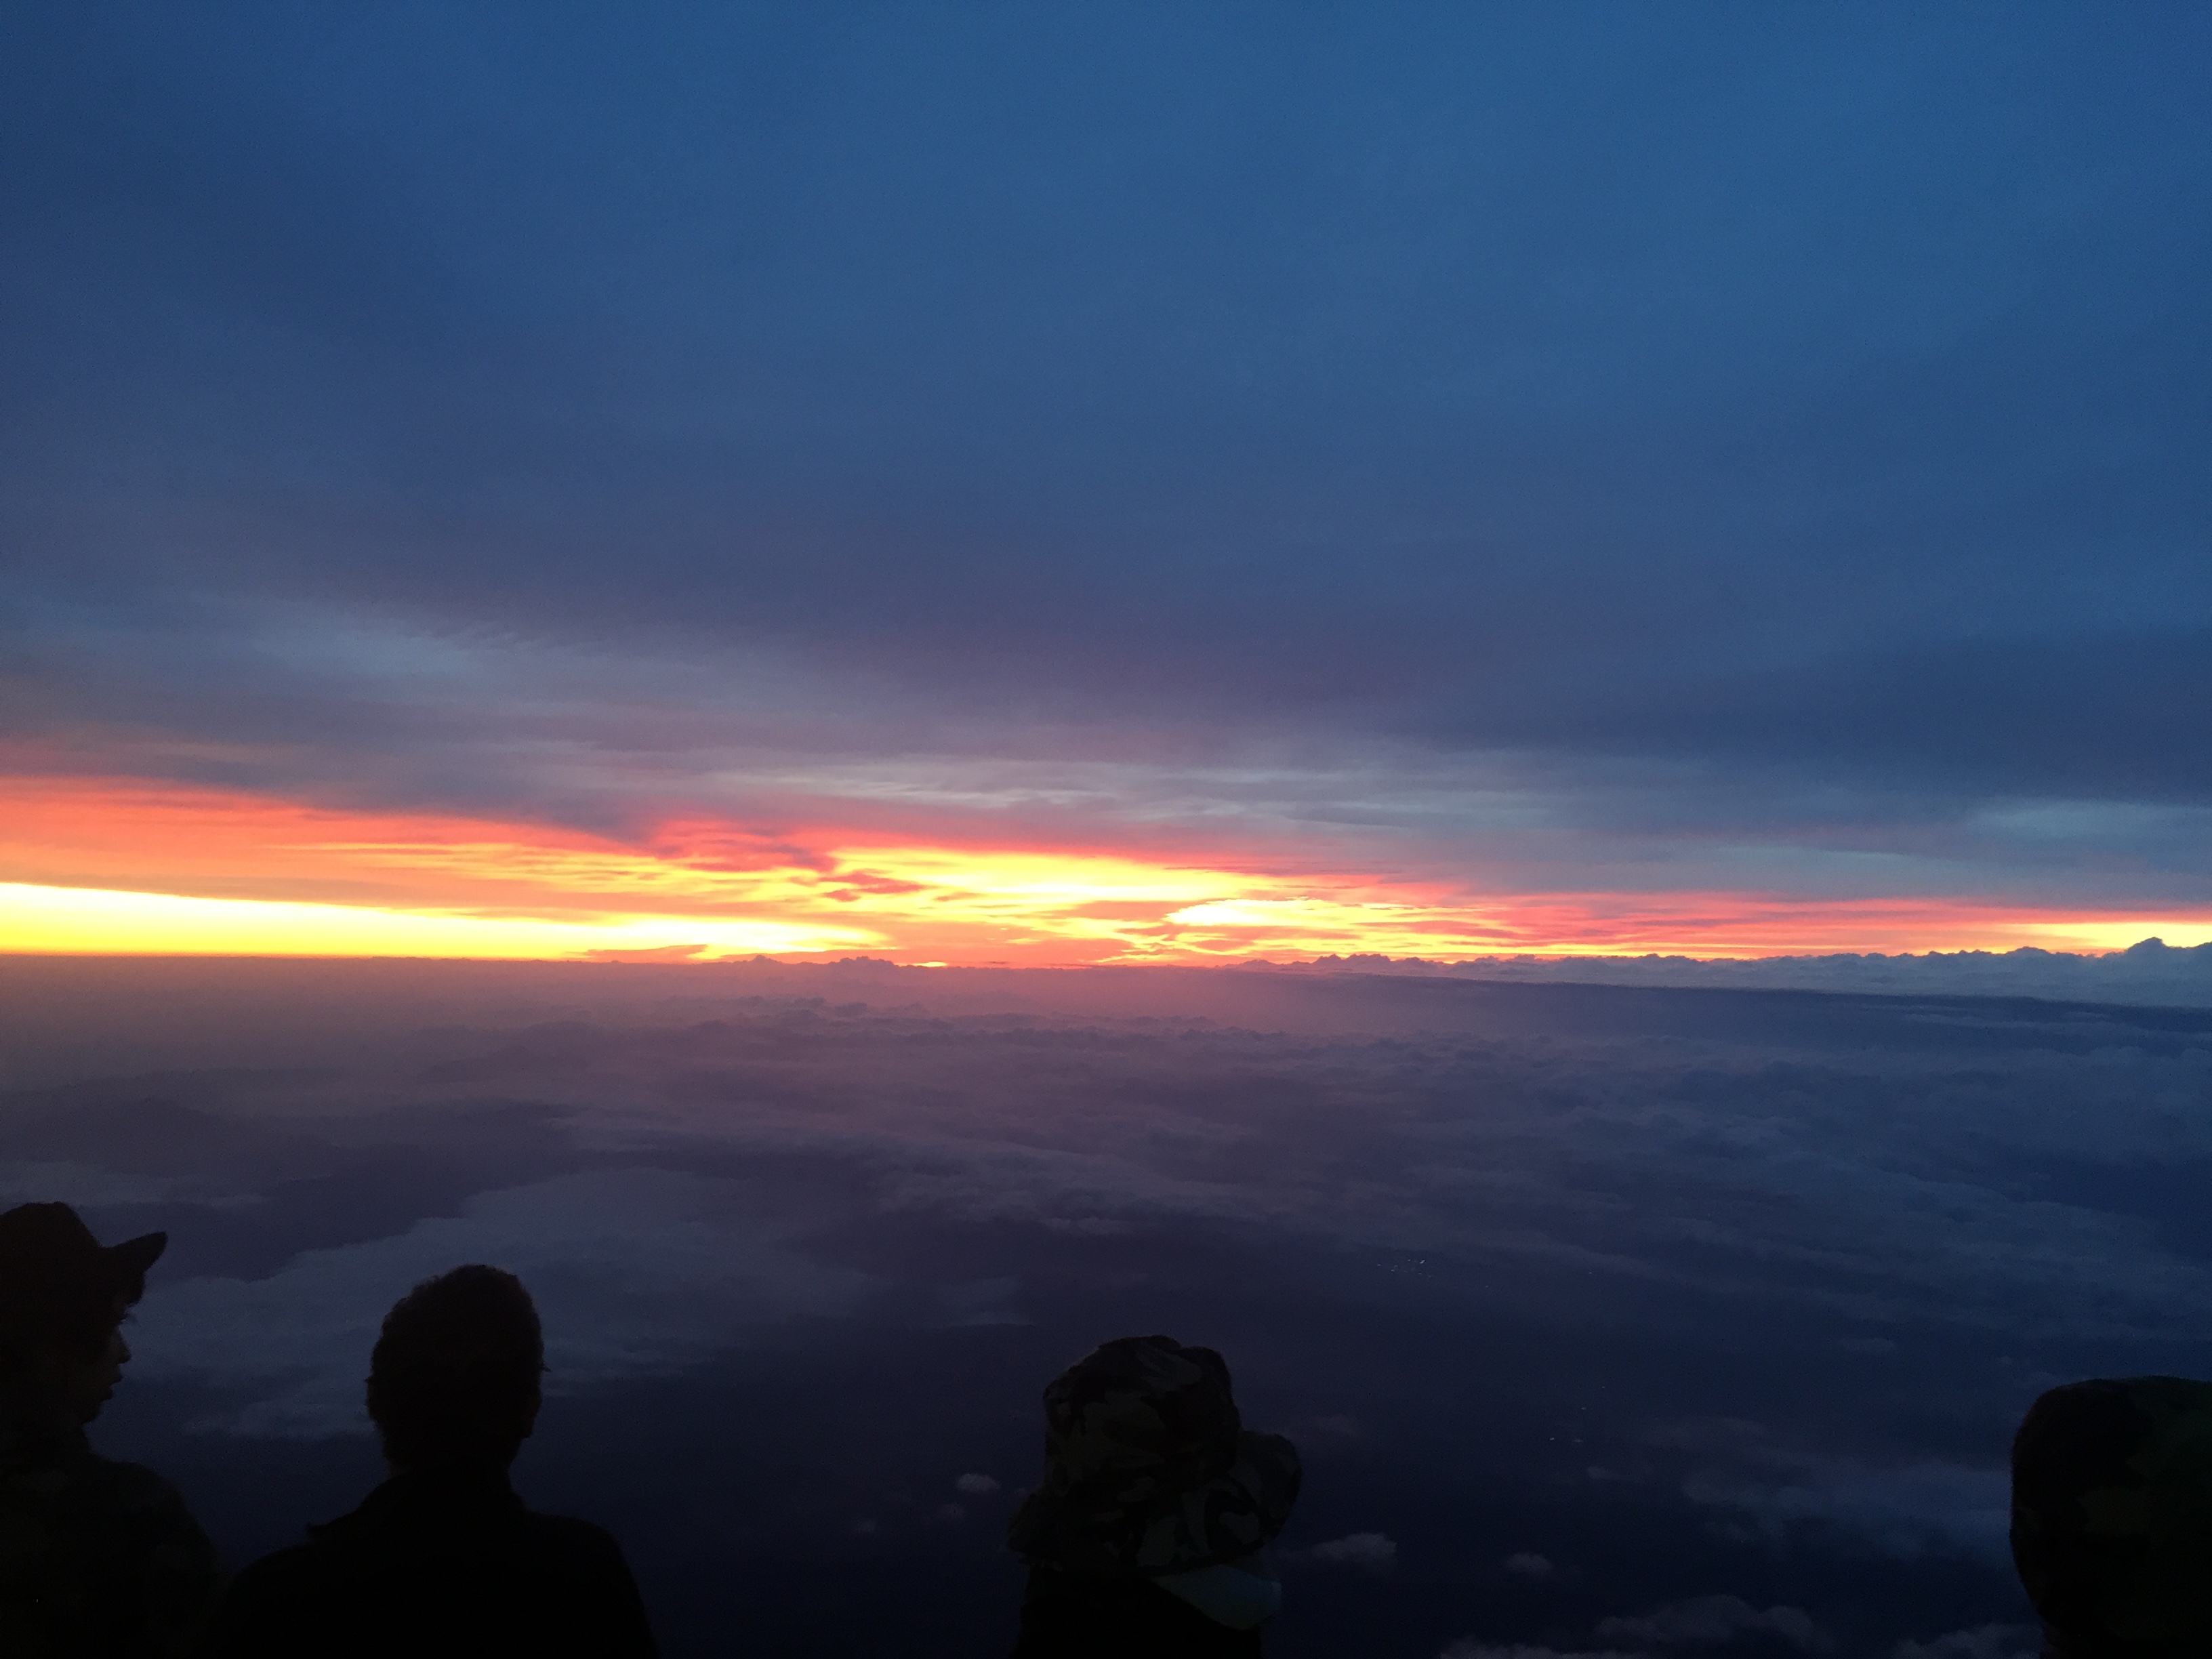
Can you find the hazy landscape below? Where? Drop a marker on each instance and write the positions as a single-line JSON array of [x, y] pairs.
[[1629, 1319]]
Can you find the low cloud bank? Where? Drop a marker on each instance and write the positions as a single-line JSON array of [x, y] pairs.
[[1997, 1641], [1694, 1625], [2151, 973], [1706, 1620]]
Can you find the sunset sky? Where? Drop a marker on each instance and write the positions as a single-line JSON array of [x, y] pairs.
[[1072, 483]]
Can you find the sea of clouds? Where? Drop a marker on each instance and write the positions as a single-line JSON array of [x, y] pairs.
[[1609, 1320], [2149, 972]]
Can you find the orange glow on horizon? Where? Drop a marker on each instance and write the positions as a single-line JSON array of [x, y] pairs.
[[129, 868]]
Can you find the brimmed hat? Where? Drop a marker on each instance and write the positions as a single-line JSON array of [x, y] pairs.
[[1149, 1469], [2111, 1516], [47, 1252]]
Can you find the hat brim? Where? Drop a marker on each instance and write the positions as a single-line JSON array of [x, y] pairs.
[[133, 1256]]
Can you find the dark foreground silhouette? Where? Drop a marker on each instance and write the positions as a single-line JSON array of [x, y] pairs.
[[97, 1557], [1149, 1532], [2112, 1517], [1147, 1536], [443, 1558]]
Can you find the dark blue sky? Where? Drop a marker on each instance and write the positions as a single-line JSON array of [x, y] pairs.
[[1614, 446]]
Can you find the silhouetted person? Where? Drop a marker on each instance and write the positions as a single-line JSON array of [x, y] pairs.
[[1148, 1536], [442, 1559], [2112, 1517], [97, 1559]]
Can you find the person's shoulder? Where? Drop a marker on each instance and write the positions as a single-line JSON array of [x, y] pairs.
[[281, 1564], [1071, 1615], [597, 1591], [567, 1535], [285, 1575], [92, 1481], [268, 1602]]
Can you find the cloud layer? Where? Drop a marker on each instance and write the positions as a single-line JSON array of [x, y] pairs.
[[1637, 1320], [634, 1271]]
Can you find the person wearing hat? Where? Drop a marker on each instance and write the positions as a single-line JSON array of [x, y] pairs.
[[1150, 1531], [2112, 1517], [97, 1559]]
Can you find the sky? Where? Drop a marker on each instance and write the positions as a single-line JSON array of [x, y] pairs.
[[1672, 1323], [1052, 484]]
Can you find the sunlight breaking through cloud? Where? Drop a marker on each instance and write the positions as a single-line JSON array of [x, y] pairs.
[[123, 868]]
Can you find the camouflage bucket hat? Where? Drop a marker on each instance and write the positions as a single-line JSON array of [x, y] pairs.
[[2111, 1516], [1149, 1469]]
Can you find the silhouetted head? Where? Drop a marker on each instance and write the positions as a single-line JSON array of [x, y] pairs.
[[1149, 1466], [1141, 1415], [454, 1375], [62, 1297], [2112, 1516]]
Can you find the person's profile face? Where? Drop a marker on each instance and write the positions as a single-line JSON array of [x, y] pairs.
[[83, 1386], [100, 1375]]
